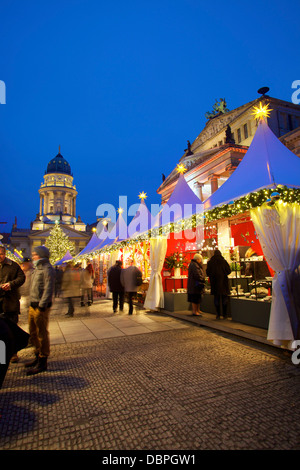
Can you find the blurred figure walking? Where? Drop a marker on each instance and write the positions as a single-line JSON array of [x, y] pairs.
[[115, 286], [131, 279], [70, 287], [86, 284]]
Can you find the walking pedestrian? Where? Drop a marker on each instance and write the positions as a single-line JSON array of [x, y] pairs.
[[218, 270], [11, 278], [41, 292], [70, 287], [195, 284], [24, 290], [130, 280], [58, 280], [86, 284], [115, 286]]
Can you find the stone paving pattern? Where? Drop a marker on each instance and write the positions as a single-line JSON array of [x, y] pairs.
[[185, 387]]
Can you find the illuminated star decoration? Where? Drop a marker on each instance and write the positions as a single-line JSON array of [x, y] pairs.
[[142, 196], [120, 210], [261, 112], [180, 168]]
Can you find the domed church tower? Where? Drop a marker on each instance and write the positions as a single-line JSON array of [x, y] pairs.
[[58, 197]]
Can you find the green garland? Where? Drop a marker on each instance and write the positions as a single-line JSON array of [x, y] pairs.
[[252, 200], [239, 206]]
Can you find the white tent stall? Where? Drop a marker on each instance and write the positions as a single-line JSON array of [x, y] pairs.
[[269, 164]]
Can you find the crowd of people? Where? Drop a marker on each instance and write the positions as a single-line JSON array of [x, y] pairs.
[[30, 289]]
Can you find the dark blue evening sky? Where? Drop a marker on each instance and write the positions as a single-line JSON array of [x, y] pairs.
[[122, 85]]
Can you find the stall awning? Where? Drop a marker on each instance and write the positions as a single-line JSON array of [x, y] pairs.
[[267, 163]]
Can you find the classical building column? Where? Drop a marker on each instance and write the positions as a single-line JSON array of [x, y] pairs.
[[46, 209], [214, 182], [63, 202], [74, 207], [198, 186], [41, 205]]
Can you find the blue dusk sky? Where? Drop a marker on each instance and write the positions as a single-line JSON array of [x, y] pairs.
[[122, 85]]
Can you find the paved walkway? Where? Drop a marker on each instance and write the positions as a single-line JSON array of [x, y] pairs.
[[99, 322], [150, 382]]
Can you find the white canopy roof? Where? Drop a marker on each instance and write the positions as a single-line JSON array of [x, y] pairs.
[[94, 241], [182, 204], [266, 164], [141, 222], [66, 257]]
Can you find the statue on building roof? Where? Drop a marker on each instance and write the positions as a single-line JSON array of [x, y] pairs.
[[189, 150], [220, 107], [229, 139]]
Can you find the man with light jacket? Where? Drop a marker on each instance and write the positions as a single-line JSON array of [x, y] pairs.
[[41, 292]]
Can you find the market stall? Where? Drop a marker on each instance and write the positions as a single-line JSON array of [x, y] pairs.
[[268, 173]]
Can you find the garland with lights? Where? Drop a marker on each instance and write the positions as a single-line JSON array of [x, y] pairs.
[[252, 200], [242, 205]]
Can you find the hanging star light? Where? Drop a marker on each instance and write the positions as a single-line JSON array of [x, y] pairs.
[[142, 195], [261, 112], [180, 168]]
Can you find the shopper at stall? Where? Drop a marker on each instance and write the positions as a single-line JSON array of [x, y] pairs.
[[196, 283], [218, 270], [115, 286]]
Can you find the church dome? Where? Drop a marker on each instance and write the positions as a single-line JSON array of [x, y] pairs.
[[58, 164]]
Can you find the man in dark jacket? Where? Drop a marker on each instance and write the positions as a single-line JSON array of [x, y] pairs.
[[41, 292], [115, 286], [11, 278], [217, 270]]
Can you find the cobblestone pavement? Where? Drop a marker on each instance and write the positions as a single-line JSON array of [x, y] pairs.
[[185, 388]]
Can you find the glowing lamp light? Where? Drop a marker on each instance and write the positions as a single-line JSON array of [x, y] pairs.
[[180, 168], [120, 210], [261, 112]]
